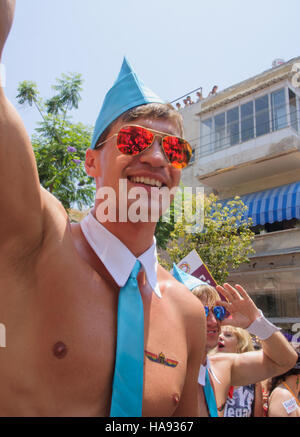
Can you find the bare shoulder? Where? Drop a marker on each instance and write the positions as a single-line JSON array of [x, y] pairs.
[[56, 223], [189, 311], [53, 210], [276, 403], [178, 293], [280, 394]]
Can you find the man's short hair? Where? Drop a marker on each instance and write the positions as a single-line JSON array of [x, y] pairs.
[[155, 111], [207, 294]]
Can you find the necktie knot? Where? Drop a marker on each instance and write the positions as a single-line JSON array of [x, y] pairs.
[[135, 270]]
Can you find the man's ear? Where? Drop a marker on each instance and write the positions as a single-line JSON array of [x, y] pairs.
[[91, 164]]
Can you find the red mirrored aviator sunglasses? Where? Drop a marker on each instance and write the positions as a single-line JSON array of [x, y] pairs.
[[133, 140]]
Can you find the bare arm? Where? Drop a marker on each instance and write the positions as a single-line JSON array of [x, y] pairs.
[[276, 407], [251, 367], [7, 8], [20, 194], [277, 355]]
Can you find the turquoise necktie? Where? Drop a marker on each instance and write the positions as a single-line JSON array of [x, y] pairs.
[[127, 395], [210, 397]]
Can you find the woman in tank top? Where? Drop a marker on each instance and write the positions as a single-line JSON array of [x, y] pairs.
[[245, 401], [284, 393]]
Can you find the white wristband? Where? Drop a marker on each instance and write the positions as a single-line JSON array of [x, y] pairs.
[[262, 328]]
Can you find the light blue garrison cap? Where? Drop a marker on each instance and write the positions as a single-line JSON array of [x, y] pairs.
[[127, 92], [189, 281]]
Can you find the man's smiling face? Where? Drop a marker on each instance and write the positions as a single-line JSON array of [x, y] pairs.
[[213, 327], [148, 171]]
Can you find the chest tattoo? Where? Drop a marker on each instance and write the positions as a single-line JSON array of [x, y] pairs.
[[161, 359]]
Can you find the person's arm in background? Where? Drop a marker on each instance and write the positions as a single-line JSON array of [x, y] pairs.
[[276, 403], [277, 355]]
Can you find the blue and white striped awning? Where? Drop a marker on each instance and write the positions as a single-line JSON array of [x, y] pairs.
[[274, 205]]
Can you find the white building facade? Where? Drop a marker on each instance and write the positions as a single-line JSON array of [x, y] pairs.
[[246, 142]]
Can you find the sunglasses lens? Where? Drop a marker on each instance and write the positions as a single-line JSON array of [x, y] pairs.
[[220, 312], [206, 310], [178, 151], [133, 140]]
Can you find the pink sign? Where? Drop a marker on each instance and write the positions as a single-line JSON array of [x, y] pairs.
[[193, 264]]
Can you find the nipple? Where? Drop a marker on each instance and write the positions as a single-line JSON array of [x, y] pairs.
[[176, 398], [60, 350]]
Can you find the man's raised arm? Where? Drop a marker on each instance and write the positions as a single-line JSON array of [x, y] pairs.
[[7, 9], [20, 194]]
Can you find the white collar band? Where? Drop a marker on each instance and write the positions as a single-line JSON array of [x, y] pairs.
[[116, 257], [202, 373]]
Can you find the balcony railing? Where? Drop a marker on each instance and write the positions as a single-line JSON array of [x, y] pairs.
[[216, 141]]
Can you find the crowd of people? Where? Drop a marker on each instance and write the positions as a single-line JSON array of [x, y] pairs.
[[96, 327], [274, 397], [238, 363], [199, 97]]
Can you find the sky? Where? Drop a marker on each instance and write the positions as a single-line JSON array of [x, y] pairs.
[[175, 46]]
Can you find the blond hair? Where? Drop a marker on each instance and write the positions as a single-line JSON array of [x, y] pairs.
[[244, 339], [207, 294]]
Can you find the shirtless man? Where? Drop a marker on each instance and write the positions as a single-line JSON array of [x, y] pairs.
[[230, 369], [59, 302]]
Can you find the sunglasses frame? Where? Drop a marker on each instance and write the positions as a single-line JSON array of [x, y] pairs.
[[212, 309], [156, 133]]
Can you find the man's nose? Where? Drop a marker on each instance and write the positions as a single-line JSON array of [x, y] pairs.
[[211, 318], [155, 155]]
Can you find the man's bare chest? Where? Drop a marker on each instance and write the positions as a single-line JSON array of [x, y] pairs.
[[63, 343]]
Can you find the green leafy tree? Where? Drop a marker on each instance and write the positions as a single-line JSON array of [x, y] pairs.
[[163, 230], [224, 242], [165, 227], [59, 145]]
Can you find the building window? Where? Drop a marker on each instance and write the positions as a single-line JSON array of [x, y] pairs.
[[250, 120], [233, 126], [279, 119], [279, 302], [207, 140], [293, 110], [247, 121], [262, 116], [267, 303], [220, 132]]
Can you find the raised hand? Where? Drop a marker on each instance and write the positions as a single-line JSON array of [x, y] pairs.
[[239, 304]]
